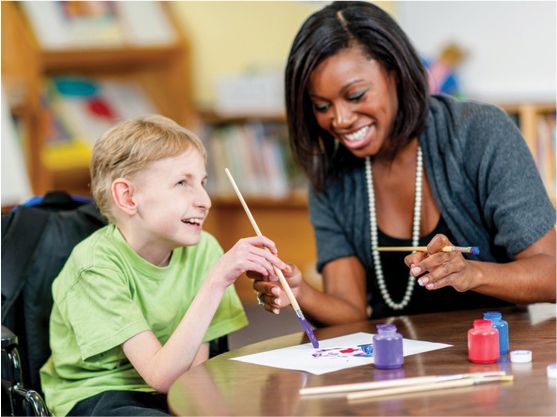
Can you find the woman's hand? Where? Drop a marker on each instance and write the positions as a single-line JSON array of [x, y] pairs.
[[257, 254], [436, 269], [270, 291]]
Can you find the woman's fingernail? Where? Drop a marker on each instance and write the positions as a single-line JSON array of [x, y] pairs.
[[275, 291], [422, 281], [416, 270], [277, 301], [276, 311], [429, 286]]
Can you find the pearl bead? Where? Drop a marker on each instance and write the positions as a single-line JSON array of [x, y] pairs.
[[374, 234]]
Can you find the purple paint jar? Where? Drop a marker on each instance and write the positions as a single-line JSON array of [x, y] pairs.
[[387, 347]]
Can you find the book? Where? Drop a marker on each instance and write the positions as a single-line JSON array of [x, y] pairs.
[[16, 186], [254, 153], [79, 110], [98, 24]]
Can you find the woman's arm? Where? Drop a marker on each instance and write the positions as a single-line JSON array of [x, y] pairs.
[[344, 298], [529, 278]]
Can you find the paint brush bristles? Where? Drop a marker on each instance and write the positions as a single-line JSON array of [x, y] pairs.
[[474, 250], [305, 325]]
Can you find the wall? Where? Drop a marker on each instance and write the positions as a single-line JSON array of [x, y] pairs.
[[231, 37], [236, 36], [512, 45]]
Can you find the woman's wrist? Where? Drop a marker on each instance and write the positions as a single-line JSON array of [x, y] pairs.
[[305, 292], [476, 274]]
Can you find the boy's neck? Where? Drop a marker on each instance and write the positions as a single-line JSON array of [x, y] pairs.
[[152, 252]]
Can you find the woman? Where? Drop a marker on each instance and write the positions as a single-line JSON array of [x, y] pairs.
[[392, 166]]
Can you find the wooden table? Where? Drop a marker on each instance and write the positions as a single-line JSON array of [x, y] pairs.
[[226, 387]]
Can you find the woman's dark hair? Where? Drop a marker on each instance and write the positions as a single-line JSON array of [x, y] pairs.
[[338, 26]]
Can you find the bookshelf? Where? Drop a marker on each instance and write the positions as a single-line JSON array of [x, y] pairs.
[[281, 212], [161, 70], [537, 124]]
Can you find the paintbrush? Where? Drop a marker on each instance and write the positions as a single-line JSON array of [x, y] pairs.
[[456, 383], [474, 250], [305, 325], [400, 382]]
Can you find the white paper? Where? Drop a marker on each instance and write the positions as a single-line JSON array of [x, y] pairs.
[[300, 357]]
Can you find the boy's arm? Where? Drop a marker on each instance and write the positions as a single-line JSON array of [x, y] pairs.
[[161, 365], [202, 355]]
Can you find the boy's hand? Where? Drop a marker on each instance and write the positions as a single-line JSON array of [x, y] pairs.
[[270, 291], [257, 254]]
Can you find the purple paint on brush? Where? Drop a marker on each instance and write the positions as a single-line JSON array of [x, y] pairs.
[[308, 330]]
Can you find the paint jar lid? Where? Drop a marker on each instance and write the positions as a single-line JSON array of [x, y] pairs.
[[552, 371], [521, 356], [489, 315]]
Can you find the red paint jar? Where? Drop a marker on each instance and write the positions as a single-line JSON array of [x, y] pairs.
[[483, 342]]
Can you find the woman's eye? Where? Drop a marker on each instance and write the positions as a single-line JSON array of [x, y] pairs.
[[357, 96], [320, 107], [181, 183]]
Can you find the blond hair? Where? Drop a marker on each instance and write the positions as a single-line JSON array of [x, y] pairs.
[[129, 147]]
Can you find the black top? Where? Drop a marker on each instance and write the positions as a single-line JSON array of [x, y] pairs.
[[423, 300]]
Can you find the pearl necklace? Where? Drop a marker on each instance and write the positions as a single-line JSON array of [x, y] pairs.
[[373, 232]]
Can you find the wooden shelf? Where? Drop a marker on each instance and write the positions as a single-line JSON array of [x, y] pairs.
[[529, 115], [295, 200], [163, 72], [212, 117], [112, 58]]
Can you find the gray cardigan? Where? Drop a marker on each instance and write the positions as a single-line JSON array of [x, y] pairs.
[[483, 178]]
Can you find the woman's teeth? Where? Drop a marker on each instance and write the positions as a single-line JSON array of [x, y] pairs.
[[358, 135]]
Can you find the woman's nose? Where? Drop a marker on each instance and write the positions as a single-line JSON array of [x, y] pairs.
[[343, 117]]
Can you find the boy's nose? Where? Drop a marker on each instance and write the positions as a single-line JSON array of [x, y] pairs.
[[203, 200]]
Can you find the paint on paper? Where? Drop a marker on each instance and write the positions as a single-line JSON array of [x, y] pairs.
[[365, 351]]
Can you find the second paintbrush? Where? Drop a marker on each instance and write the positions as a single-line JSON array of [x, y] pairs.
[[474, 250]]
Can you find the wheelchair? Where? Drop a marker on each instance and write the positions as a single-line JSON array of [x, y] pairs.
[[37, 239]]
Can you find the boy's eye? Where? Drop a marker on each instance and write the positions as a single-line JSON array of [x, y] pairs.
[[320, 107], [181, 183]]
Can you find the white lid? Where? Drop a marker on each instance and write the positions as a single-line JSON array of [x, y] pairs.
[[521, 356], [552, 371]]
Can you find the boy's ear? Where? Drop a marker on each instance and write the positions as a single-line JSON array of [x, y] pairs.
[[122, 193]]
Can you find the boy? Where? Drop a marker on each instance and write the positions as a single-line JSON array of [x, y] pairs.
[[138, 300]]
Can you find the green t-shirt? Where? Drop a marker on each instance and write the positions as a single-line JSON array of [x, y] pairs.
[[105, 294]]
